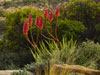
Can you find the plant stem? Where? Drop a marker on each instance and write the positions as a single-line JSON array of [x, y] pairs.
[[56, 34], [56, 39], [59, 45], [37, 36], [56, 28], [50, 27], [32, 36], [48, 30], [30, 42], [46, 36]]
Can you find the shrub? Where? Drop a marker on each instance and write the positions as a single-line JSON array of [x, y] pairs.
[[82, 10], [87, 12], [68, 28], [13, 59], [97, 26], [13, 42], [89, 54]]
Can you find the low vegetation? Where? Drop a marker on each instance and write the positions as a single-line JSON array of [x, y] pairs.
[[78, 29]]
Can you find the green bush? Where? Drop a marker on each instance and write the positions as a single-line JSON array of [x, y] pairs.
[[68, 28], [14, 26], [89, 54], [13, 45], [86, 11], [97, 26], [80, 10]]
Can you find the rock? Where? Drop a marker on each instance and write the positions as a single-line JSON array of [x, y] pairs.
[[7, 72]]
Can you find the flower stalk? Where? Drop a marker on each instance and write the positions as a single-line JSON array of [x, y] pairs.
[[51, 27], [31, 36], [30, 42], [39, 25], [45, 36], [37, 36], [56, 28]]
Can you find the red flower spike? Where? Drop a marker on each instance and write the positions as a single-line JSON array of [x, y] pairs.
[[25, 28], [41, 23], [51, 16], [46, 13], [57, 11], [37, 21], [30, 19]]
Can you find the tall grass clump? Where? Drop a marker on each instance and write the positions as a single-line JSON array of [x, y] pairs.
[[49, 54]]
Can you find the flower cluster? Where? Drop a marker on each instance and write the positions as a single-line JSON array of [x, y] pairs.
[[39, 22], [25, 28], [39, 25]]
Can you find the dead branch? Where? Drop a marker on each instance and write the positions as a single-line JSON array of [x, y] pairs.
[[78, 69]]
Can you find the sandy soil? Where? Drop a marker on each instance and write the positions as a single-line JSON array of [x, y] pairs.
[[7, 72]]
